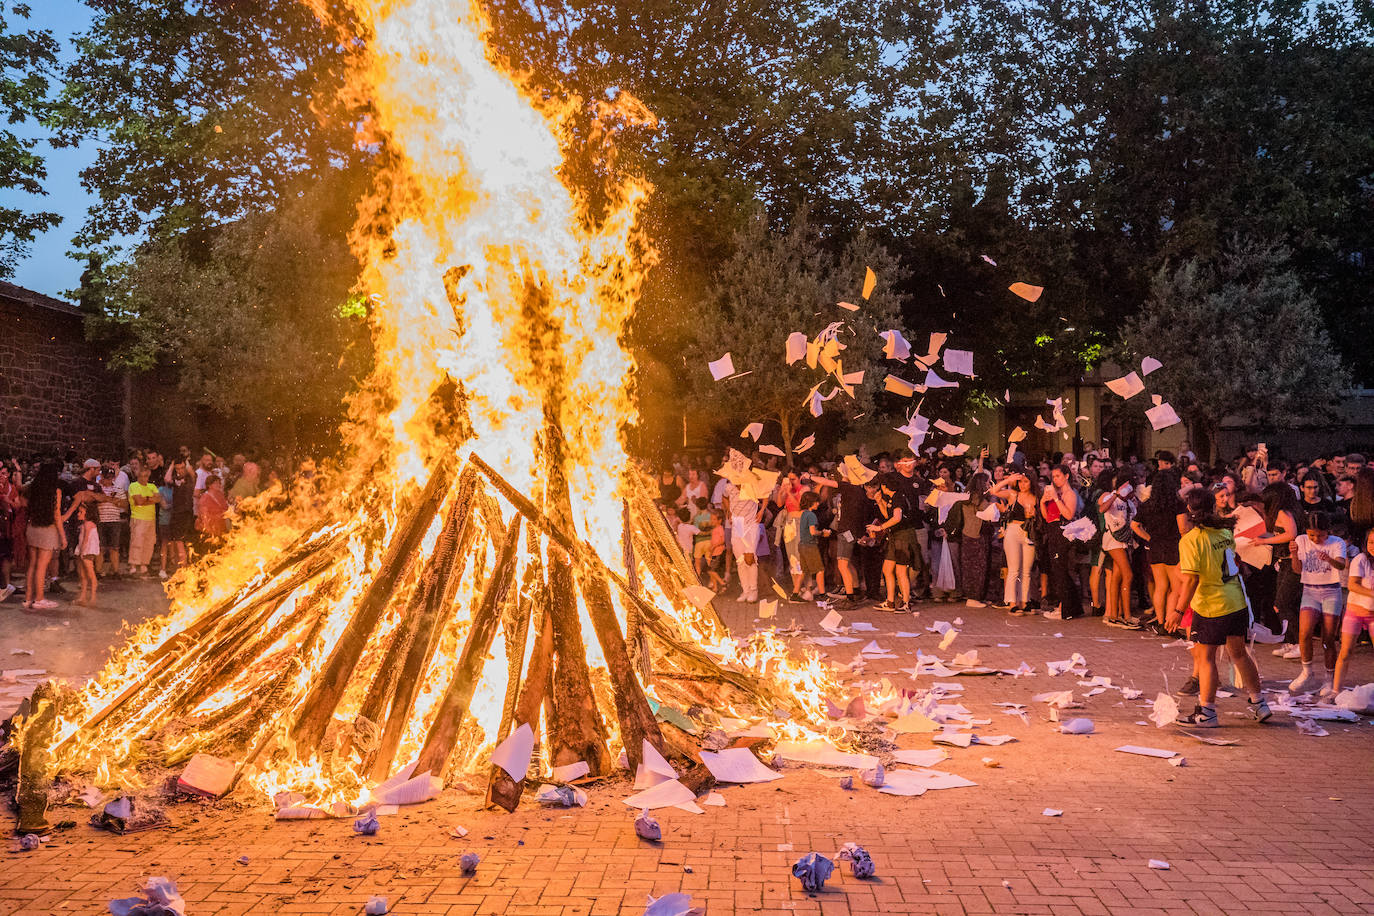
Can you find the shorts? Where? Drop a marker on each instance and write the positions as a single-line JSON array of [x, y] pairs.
[[901, 547], [1214, 631], [1325, 598], [1352, 624], [701, 549], [844, 547], [717, 563], [109, 535], [182, 527], [811, 559], [43, 537]]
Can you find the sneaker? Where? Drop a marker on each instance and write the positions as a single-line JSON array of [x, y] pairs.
[[1001, 606], [974, 602], [1033, 606], [885, 606], [1052, 615], [6, 592], [1189, 688], [1305, 682], [1259, 711], [1281, 651], [162, 574], [1116, 624], [47, 604], [1201, 718], [1292, 652], [1327, 693]]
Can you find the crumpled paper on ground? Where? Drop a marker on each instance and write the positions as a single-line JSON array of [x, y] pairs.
[[814, 870], [161, 896], [860, 862], [671, 905], [647, 827], [468, 862], [367, 826], [561, 796]]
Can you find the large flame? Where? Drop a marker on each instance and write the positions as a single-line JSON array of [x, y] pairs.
[[499, 305]]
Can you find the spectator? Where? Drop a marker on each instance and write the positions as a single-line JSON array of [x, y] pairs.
[[46, 534], [109, 517], [213, 505], [143, 504], [183, 483]]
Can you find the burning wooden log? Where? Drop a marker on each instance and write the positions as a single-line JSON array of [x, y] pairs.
[[443, 731], [31, 795], [330, 684]]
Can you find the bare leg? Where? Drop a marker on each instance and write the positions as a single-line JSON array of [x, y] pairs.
[[890, 580], [1343, 659], [1205, 659], [1329, 640], [1245, 666], [904, 582]]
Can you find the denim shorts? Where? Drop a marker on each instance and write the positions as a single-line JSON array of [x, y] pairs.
[[1325, 598]]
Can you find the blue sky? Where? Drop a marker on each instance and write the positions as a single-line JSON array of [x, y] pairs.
[[48, 269]]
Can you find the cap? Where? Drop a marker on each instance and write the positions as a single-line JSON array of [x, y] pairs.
[[91, 463]]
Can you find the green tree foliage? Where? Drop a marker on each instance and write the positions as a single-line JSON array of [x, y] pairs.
[[27, 59], [1239, 336], [260, 321], [776, 283], [204, 111]]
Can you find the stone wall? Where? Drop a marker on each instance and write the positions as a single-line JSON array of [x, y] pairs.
[[55, 393]]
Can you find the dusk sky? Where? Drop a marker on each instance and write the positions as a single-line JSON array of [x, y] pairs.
[[48, 269]]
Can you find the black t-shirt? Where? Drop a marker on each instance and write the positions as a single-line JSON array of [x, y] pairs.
[[183, 494], [669, 493], [899, 496], [911, 489], [855, 509]]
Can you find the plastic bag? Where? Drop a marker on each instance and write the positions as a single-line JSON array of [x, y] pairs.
[[944, 576]]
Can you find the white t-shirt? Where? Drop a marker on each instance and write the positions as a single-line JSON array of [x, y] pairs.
[[1361, 568], [686, 533], [1314, 571], [744, 525]]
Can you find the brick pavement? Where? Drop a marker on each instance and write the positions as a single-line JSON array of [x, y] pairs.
[[1282, 823]]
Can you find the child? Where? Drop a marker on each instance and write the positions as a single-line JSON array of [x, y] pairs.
[[1318, 558], [1359, 611], [87, 549], [701, 543], [686, 532], [810, 551], [717, 564]]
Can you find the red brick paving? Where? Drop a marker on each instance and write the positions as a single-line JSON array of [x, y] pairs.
[[1283, 823]]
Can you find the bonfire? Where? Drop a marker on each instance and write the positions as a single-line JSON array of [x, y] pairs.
[[484, 556]]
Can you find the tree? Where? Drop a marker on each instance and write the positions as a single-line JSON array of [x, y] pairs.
[[1238, 336], [776, 283], [260, 323], [27, 59]]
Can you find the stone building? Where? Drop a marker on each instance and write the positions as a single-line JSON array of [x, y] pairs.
[[55, 391]]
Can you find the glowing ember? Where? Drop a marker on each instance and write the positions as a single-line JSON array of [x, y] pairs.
[[332, 642]]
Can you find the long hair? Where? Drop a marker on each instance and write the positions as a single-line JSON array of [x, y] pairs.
[[1202, 510], [1163, 502], [1279, 497], [43, 493], [1362, 500]]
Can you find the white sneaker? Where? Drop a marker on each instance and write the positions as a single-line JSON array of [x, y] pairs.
[[974, 602], [1052, 615], [1305, 682], [1281, 651], [6, 591], [47, 604], [162, 574], [1292, 652]]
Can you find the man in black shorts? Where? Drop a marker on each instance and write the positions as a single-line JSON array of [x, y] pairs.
[[895, 519]]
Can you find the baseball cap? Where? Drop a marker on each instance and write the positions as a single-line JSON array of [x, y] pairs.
[[91, 463]]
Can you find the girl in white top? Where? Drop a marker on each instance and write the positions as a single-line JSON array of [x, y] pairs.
[[87, 549], [1359, 609], [1318, 557], [1118, 509]]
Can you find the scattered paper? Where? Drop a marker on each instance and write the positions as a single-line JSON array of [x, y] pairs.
[[162, 899], [959, 362], [1128, 386], [1159, 864], [1077, 727], [804, 445], [920, 758], [1081, 529], [895, 346], [1162, 417], [1026, 291], [994, 740], [870, 281], [571, 771], [772, 450], [671, 905], [948, 428], [737, 765], [990, 513], [1146, 751], [768, 609], [848, 306], [721, 368], [375, 906], [1309, 727], [1149, 364], [953, 738], [831, 621], [647, 828], [752, 431], [1052, 812], [934, 381], [813, 869], [914, 723], [823, 753], [699, 595], [1165, 711], [667, 794], [796, 346], [899, 386], [1017, 435]]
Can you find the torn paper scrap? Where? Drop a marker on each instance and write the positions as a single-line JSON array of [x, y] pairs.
[[752, 431], [899, 386], [768, 609], [914, 723], [699, 595], [870, 281], [796, 346], [1162, 417], [822, 753], [1081, 529], [1165, 710], [721, 368], [664, 795], [1026, 291], [1146, 751], [831, 621], [1053, 812], [772, 450], [1159, 864], [1149, 364], [959, 362], [671, 905], [848, 306], [737, 764], [920, 758], [1077, 727], [948, 428], [895, 346], [1308, 727], [804, 445], [934, 381], [1128, 386], [571, 771]]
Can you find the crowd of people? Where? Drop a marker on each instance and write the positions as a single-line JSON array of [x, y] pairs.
[[97, 519], [1142, 545]]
